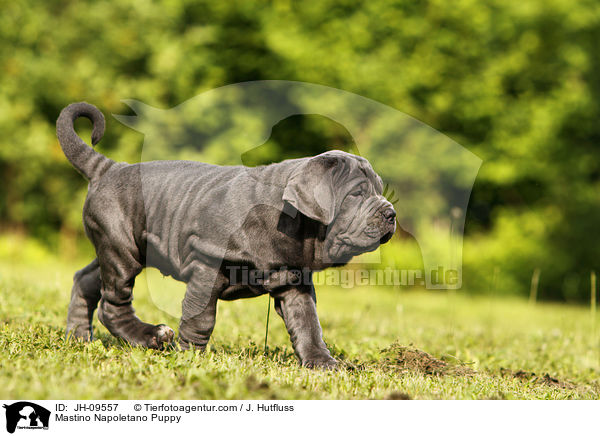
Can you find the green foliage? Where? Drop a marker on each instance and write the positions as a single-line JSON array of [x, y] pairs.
[[514, 82]]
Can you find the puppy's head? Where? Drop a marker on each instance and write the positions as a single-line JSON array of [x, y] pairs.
[[343, 192]]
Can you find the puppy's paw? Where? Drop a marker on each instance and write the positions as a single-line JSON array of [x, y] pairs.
[[162, 335], [185, 345], [79, 332], [322, 362]]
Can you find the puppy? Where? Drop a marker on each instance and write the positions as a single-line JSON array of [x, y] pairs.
[[227, 232]]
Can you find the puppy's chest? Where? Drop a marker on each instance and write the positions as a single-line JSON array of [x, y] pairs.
[[266, 250], [267, 238]]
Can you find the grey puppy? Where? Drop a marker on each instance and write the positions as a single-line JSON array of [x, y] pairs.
[[208, 226]]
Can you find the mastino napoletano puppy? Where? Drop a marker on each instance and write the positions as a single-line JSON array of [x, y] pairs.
[[228, 232]]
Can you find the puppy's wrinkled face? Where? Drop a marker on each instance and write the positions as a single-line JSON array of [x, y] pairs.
[[343, 192], [364, 219]]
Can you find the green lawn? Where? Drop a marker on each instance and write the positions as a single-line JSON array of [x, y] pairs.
[[488, 347]]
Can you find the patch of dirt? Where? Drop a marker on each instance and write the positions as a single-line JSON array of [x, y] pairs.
[[407, 359], [397, 395], [534, 378]]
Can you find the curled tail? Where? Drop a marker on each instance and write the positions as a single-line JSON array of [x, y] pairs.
[[84, 158]]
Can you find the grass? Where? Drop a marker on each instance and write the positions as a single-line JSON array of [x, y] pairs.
[[486, 347]]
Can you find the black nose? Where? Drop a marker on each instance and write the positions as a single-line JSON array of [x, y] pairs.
[[389, 215]]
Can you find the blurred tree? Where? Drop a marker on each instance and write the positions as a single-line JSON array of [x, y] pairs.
[[517, 83]]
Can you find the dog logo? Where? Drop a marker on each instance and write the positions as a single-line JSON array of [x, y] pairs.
[[416, 161], [26, 415]]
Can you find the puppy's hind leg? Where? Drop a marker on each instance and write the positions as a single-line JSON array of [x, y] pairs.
[[84, 300], [116, 312]]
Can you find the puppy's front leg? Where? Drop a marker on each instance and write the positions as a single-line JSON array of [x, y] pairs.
[[199, 309], [297, 306]]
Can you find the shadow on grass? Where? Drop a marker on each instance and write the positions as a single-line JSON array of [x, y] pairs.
[[279, 355]]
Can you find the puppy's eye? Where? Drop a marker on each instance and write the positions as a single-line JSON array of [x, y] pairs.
[[358, 191]]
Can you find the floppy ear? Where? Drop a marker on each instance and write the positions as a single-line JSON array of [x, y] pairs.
[[310, 188]]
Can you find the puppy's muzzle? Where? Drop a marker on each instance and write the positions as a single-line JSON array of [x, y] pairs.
[[382, 223], [389, 218]]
